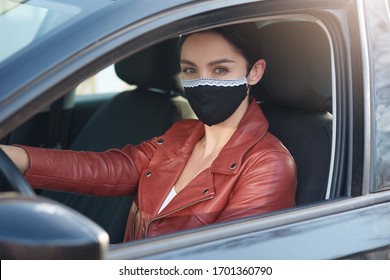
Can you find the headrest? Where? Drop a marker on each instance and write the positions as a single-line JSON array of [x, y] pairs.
[[155, 67], [298, 71]]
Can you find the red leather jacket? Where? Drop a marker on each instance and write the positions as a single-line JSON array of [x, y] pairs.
[[253, 174]]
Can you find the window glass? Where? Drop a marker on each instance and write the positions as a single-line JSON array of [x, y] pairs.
[[23, 22], [388, 8]]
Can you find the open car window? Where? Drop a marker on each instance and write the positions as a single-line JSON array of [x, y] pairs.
[[298, 51], [118, 90]]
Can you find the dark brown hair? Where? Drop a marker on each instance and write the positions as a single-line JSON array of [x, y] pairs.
[[242, 36]]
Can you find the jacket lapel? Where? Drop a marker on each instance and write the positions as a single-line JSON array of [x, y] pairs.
[[167, 164], [251, 130], [170, 159], [199, 189]]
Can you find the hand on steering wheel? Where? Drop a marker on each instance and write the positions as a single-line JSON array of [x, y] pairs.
[[12, 177]]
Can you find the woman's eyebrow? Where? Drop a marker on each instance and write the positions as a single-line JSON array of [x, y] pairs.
[[220, 61], [212, 63], [184, 61]]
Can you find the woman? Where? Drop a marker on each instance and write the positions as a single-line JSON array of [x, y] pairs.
[[221, 167]]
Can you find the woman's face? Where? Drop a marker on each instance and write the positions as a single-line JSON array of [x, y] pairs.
[[209, 55]]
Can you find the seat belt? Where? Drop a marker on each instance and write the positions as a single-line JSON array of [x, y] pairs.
[[53, 124], [58, 122]]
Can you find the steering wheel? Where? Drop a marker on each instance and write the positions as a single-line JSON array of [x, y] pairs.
[[13, 179]]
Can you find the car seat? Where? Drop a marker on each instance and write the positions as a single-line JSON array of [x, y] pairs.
[[296, 97], [128, 118]]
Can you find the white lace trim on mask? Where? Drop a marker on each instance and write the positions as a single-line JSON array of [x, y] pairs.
[[213, 82]]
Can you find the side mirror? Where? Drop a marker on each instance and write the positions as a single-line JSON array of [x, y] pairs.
[[38, 228]]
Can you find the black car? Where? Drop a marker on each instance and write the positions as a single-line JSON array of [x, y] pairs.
[[326, 94]]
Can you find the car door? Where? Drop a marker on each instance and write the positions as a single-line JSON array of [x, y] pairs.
[[347, 223], [350, 217]]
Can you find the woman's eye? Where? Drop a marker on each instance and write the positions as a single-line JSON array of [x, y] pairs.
[[188, 70], [221, 70]]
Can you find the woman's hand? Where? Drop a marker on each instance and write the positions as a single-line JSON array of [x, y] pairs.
[[18, 155]]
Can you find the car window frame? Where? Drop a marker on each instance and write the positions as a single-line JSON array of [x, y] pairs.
[[130, 44], [323, 208]]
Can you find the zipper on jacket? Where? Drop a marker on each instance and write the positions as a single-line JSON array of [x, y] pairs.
[[134, 223], [174, 211]]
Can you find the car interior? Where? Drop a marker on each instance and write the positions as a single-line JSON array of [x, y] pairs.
[[295, 94]]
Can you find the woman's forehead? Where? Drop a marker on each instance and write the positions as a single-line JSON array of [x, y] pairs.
[[207, 44]]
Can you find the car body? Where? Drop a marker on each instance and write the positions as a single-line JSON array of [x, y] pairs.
[[76, 39]]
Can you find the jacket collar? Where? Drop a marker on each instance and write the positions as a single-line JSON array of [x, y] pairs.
[[251, 129]]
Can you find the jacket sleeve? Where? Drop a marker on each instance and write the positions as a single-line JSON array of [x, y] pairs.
[[269, 184], [111, 173]]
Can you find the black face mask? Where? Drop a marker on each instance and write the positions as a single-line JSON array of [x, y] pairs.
[[214, 100]]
